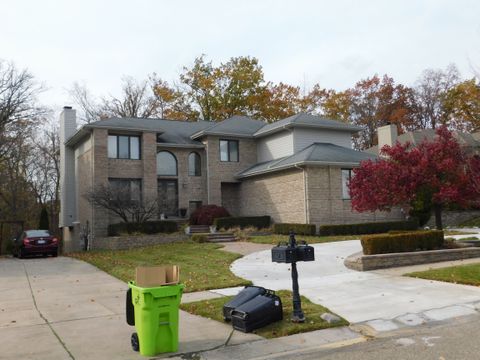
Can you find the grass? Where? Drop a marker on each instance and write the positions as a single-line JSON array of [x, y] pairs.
[[275, 239], [471, 223], [454, 232], [202, 266], [463, 274], [213, 309]]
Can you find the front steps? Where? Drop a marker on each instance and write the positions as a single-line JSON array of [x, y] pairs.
[[212, 237]]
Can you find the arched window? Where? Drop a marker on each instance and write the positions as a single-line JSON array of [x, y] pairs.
[[194, 164], [166, 163]]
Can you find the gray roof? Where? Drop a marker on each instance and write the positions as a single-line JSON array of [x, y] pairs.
[[237, 125], [186, 132], [417, 136], [306, 120], [315, 154], [170, 131]]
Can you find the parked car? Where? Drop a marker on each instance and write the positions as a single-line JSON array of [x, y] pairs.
[[35, 242]]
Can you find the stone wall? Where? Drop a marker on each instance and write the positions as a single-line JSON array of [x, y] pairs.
[[280, 195], [362, 262], [454, 218], [134, 241], [326, 204]]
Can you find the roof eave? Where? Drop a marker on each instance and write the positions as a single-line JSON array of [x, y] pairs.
[[185, 146], [206, 133], [300, 163], [79, 135], [119, 128], [350, 129]]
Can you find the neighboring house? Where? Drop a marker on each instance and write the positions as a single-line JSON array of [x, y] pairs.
[[295, 170], [388, 135]]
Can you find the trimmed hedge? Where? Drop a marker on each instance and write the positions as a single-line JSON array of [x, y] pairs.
[[368, 228], [205, 215], [149, 227], [402, 242], [298, 229], [259, 222]]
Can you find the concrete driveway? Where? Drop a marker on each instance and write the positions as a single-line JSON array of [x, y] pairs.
[[384, 300], [61, 308]]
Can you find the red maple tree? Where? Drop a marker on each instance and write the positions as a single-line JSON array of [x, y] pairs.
[[439, 168]]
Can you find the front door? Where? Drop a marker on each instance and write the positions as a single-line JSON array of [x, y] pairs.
[[168, 197]]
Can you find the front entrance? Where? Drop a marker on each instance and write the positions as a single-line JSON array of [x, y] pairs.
[[168, 197]]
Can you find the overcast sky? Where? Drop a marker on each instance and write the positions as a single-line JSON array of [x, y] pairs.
[[331, 42]]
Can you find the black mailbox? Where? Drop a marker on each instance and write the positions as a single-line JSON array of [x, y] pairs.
[[284, 254], [305, 252]]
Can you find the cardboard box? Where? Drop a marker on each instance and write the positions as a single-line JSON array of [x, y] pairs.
[[152, 276]]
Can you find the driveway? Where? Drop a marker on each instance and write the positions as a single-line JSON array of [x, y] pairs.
[[62, 308], [385, 300]]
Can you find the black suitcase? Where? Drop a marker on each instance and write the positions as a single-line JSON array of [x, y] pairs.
[[248, 293], [258, 312]]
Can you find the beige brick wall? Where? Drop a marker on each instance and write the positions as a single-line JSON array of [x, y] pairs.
[[190, 188], [280, 195], [221, 171], [325, 203]]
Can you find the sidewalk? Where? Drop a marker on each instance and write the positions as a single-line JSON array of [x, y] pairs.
[[62, 308]]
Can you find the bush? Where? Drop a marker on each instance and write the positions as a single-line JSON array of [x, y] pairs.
[[368, 228], [298, 229], [258, 222], [199, 238], [402, 242], [149, 227], [205, 215]]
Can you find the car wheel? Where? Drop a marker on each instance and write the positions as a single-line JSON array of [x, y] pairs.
[[55, 253], [20, 254], [44, 255], [135, 343]]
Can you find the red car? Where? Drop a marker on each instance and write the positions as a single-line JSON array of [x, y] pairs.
[[35, 242]]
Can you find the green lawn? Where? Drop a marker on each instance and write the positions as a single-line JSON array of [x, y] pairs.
[[213, 309], [275, 239], [464, 274], [471, 223], [202, 266]]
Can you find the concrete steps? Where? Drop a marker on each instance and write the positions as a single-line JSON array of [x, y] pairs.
[[199, 229], [221, 237]]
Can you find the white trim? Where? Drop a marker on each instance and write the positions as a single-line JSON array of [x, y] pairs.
[[185, 146]]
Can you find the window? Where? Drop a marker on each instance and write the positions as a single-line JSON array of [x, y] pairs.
[[194, 164], [166, 164], [229, 150], [126, 190], [346, 177], [124, 147]]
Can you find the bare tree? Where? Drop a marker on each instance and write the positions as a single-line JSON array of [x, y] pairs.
[[137, 100], [430, 91], [106, 197], [89, 108]]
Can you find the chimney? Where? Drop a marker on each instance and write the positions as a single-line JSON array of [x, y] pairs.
[[68, 127], [387, 135]]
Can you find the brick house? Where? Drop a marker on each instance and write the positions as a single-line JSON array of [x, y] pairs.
[[295, 170]]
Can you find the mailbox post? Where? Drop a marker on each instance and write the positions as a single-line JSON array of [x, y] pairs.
[[291, 253]]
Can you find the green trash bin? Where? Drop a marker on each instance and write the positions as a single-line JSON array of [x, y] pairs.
[[156, 317]]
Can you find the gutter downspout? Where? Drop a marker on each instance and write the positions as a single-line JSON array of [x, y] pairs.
[[305, 197], [208, 173]]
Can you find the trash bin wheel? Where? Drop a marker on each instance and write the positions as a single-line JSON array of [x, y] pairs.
[[135, 343]]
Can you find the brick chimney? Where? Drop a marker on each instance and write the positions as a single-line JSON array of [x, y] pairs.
[[387, 135], [68, 127]]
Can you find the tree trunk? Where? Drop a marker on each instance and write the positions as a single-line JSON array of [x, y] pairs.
[[438, 216]]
